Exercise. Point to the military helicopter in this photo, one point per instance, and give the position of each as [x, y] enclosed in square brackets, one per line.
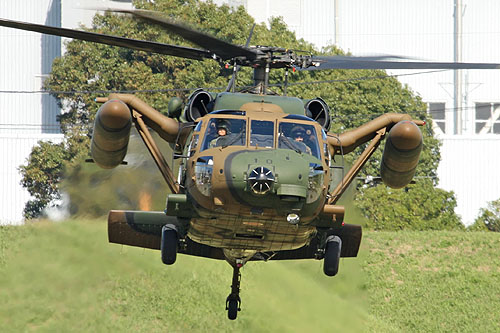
[256, 180]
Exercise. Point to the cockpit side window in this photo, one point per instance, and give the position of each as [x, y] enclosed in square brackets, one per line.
[198, 126]
[262, 133]
[300, 137]
[223, 132]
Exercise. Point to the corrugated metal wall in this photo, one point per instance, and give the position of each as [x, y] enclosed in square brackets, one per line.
[25, 116]
[25, 60]
[14, 150]
[469, 167]
[312, 20]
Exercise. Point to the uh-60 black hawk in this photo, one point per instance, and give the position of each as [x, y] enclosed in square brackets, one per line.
[256, 179]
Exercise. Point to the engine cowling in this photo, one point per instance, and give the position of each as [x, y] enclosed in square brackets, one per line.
[111, 134]
[198, 105]
[401, 154]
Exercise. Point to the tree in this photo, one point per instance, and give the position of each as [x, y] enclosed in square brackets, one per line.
[355, 96]
[419, 207]
[489, 218]
[42, 175]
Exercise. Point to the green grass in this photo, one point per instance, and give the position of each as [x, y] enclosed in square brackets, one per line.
[67, 277]
[434, 281]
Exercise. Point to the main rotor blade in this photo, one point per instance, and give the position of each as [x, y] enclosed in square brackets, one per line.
[342, 62]
[223, 49]
[136, 44]
[249, 38]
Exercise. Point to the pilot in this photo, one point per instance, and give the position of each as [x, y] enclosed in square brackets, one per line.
[222, 131]
[298, 134]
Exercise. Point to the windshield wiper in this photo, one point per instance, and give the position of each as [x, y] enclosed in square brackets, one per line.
[236, 138]
[289, 144]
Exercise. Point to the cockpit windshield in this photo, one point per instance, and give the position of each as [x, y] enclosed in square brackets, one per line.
[299, 137]
[262, 133]
[223, 132]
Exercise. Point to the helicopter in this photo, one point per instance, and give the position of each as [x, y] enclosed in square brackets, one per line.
[256, 178]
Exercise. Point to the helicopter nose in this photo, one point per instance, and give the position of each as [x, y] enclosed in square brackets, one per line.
[261, 180]
[279, 179]
[274, 175]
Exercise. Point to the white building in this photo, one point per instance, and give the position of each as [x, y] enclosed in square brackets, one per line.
[469, 125]
[26, 114]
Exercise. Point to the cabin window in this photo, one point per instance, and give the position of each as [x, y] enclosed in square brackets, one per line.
[300, 137]
[223, 132]
[203, 174]
[262, 134]
[193, 145]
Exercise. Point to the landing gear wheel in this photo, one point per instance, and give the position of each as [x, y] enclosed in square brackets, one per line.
[333, 248]
[232, 308]
[169, 241]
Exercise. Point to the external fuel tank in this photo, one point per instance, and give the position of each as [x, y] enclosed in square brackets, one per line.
[111, 134]
[401, 154]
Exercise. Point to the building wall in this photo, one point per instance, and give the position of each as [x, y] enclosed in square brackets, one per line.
[425, 30]
[15, 149]
[25, 60]
[469, 167]
[26, 114]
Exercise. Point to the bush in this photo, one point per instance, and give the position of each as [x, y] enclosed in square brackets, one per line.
[418, 207]
[489, 219]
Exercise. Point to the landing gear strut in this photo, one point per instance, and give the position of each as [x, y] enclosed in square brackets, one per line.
[233, 301]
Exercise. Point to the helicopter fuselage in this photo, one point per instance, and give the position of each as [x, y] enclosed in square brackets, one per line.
[258, 187]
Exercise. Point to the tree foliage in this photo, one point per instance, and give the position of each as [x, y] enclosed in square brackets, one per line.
[489, 218]
[41, 176]
[89, 70]
[388, 209]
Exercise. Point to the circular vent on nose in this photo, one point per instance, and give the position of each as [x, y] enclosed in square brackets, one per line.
[260, 180]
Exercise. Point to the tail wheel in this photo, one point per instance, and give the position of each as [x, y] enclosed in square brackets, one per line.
[232, 309]
[332, 255]
[169, 241]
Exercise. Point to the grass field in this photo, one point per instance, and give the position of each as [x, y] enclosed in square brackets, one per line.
[66, 277]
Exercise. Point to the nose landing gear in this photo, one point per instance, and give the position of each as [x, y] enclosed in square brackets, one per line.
[233, 301]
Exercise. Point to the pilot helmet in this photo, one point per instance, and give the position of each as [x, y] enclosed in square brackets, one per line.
[223, 124]
[298, 131]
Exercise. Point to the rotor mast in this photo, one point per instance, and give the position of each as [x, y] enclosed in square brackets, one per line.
[270, 57]
[261, 79]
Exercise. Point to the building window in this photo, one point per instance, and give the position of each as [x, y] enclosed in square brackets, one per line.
[487, 118]
[437, 112]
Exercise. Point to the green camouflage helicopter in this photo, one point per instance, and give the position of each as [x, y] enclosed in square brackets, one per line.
[256, 180]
